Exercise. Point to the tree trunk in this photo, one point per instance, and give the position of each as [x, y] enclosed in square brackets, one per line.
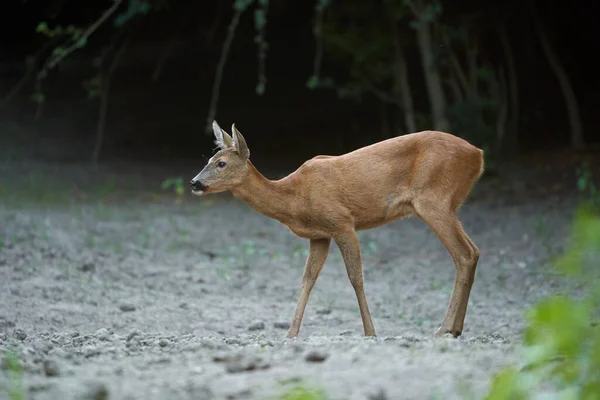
[513, 88]
[385, 126]
[432, 77]
[457, 94]
[401, 82]
[577, 141]
[499, 91]
[104, 96]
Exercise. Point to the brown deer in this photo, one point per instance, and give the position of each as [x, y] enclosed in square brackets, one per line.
[428, 174]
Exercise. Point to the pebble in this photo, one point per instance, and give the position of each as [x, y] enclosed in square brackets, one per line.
[242, 363]
[378, 395]
[256, 326]
[316, 356]
[95, 390]
[102, 334]
[133, 333]
[127, 307]
[3, 337]
[163, 342]
[282, 325]
[19, 334]
[87, 267]
[51, 367]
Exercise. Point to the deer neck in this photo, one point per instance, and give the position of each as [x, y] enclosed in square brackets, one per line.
[270, 198]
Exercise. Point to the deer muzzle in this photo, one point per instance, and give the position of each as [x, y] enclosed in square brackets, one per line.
[197, 186]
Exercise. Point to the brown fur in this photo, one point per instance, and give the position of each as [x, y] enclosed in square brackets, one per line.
[428, 174]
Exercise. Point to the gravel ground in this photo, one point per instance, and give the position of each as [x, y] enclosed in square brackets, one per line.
[128, 294]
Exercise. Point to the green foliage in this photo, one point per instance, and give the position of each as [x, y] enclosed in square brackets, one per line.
[431, 12]
[260, 22]
[303, 393]
[135, 7]
[93, 86]
[367, 51]
[176, 183]
[59, 30]
[242, 5]
[562, 339]
[585, 184]
[14, 371]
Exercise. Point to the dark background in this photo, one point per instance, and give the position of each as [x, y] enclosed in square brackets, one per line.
[163, 120]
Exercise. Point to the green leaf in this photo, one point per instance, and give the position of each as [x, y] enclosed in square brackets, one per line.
[42, 27]
[505, 385]
[313, 82]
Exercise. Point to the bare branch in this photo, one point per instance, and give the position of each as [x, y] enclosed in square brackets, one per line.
[318, 25]
[220, 67]
[53, 61]
[456, 66]
[105, 82]
[30, 71]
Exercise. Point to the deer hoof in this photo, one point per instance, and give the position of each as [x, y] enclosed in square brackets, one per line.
[291, 335]
[441, 331]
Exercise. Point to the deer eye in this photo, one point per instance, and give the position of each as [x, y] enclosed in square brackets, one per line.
[221, 164]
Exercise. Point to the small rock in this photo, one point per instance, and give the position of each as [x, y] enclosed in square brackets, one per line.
[378, 395]
[163, 342]
[316, 356]
[87, 267]
[243, 394]
[102, 334]
[324, 311]
[3, 337]
[347, 333]
[95, 391]
[221, 357]
[256, 326]
[51, 367]
[127, 307]
[448, 336]
[243, 363]
[133, 333]
[19, 334]
[282, 325]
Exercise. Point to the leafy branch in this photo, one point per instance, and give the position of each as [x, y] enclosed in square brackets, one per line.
[260, 22]
[79, 38]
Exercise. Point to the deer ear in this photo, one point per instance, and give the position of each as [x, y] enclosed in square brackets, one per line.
[222, 138]
[239, 143]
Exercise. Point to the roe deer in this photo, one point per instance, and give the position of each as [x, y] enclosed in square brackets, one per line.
[428, 174]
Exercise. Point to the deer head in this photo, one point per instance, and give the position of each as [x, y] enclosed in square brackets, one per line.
[227, 168]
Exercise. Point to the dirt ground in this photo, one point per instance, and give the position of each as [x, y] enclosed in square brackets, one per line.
[113, 289]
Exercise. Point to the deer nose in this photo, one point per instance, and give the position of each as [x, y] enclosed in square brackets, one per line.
[197, 185]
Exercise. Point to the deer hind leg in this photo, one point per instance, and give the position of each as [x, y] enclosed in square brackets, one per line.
[465, 255]
[317, 254]
[350, 248]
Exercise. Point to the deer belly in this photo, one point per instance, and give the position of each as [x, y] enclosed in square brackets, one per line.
[394, 207]
[308, 232]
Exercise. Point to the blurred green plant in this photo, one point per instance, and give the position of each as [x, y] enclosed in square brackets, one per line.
[301, 392]
[176, 183]
[561, 358]
[14, 372]
[586, 185]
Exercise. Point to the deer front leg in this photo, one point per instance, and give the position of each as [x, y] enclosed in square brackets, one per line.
[350, 248]
[317, 254]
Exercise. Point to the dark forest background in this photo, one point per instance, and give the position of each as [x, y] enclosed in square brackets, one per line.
[131, 79]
